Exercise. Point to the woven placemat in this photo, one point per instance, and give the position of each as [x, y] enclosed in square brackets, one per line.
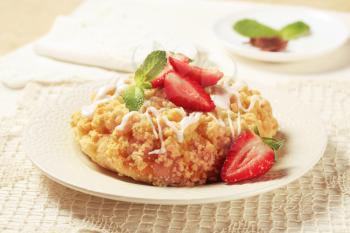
[317, 202]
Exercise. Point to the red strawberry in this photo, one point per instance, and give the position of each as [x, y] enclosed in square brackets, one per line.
[181, 57]
[249, 157]
[187, 93]
[204, 77]
[158, 82]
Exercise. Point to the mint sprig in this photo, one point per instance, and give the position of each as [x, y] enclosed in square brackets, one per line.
[154, 63]
[254, 29]
[151, 67]
[295, 30]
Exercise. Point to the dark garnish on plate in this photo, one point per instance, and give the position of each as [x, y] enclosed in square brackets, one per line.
[267, 38]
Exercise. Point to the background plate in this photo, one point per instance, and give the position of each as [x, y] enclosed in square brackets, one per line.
[48, 141]
[327, 33]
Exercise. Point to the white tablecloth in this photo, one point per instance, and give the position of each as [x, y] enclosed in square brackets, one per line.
[317, 202]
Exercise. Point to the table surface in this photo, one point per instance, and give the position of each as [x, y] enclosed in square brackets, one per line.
[318, 201]
[22, 22]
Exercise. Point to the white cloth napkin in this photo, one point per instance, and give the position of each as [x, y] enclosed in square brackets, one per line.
[118, 44]
[119, 34]
[23, 66]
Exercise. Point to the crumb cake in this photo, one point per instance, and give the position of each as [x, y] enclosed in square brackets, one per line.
[165, 143]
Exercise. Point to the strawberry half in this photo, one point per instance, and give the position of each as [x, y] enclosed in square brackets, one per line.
[181, 57]
[186, 93]
[204, 77]
[158, 82]
[249, 157]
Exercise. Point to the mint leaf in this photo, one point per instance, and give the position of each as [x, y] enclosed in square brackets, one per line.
[133, 97]
[151, 67]
[252, 29]
[146, 85]
[295, 30]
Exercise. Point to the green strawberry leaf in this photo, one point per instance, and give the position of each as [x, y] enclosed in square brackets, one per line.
[256, 130]
[294, 30]
[133, 97]
[151, 67]
[274, 144]
[252, 29]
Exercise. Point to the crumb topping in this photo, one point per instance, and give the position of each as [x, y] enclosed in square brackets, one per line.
[162, 143]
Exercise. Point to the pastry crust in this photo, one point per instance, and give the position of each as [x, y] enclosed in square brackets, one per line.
[196, 160]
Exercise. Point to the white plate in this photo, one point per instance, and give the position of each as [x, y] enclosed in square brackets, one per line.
[327, 33]
[49, 143]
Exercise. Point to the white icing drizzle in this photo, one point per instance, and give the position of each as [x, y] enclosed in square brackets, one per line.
[88, 110]
[178, 129]
[221, 100]
[182, 111]
[218, 121]
[253, 100]
[156, 113]
[235, 91]
[125, 120]
[185, 122]
[230, 123]
[157, 151]
[239, 123]
[102, 92]
[103, 97]
[170, 124]
[120, 86]
[153, 128]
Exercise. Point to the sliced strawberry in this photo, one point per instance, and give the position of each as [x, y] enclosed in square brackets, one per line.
[249, 157]
[204, 77]
[158, 82]
[181, 57]
[187, 93]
